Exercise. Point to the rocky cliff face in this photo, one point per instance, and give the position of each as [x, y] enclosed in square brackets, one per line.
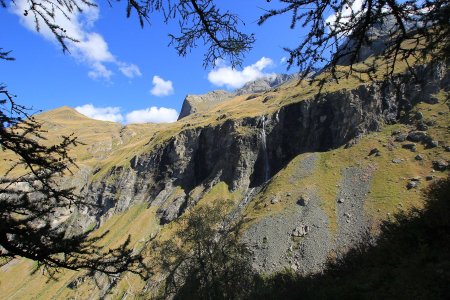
[265, 83]
[378, 37]
[199, 157]
[200, 103]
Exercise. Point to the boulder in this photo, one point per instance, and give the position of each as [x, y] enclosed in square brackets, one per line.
[431, 100]
[440, 165]
[412, 184]
[400, 137]
[430, 122]
[422, 126]
[374, 151]
[300, 231]
[303, 201]
[410, 146]
[416, 136]
[432, 144]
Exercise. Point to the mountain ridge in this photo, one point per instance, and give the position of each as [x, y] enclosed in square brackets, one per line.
[203, 102]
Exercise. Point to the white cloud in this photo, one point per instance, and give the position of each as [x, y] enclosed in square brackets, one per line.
[231, 78]
[130, 70]
[91, 48]
[161, 87]
[345, 14]
[101, 113]
[262, 63]
[153, 115]
[114, 114]
[98, 70]
[94, 48]
[283, 60]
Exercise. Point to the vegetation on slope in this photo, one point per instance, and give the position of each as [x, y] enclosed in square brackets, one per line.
[388, 192]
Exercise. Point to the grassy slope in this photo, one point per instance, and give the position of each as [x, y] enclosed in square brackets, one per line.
[98, 139]
[138, 221]
[388, 191]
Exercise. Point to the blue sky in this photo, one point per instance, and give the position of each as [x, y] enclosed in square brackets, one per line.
[123, 73]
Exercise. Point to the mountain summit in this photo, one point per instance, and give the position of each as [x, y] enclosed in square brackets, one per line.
[200, 103]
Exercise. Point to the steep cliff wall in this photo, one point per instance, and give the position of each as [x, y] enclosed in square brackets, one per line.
[245, 153]
[201, 103]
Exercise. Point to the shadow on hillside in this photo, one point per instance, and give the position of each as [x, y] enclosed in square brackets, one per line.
[411, 260]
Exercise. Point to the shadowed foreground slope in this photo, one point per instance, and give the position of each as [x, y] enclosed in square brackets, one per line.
[409, 260]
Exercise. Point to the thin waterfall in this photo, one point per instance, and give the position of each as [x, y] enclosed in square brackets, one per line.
[264, 150]
[247, 198]
[238, 210]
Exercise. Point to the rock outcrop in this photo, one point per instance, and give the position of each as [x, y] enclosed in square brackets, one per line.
[265, 83]
[200, 103]
[378, 37]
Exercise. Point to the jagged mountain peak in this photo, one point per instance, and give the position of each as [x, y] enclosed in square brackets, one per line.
[378, 37]
[201, 103]
[264, 83]
[197, 103]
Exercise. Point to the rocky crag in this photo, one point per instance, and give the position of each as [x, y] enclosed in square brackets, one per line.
[200, 103]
